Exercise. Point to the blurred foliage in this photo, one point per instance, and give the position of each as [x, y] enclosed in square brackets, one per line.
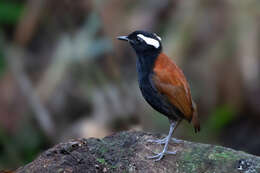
[74, 65]
[220, 118]
[10, 11]
[2, 63]
[22, 147]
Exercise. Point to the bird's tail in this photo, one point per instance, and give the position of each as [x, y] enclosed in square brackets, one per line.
[195, 119]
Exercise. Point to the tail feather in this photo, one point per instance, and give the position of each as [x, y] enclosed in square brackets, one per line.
[195, 119]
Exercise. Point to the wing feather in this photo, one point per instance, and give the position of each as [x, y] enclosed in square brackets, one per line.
[170, 81]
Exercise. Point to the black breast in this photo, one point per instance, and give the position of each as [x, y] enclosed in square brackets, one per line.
[150, 93]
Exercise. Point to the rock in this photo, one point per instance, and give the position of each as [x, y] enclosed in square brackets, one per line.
[127, 151]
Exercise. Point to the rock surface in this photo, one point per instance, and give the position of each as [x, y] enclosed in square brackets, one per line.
[127, 151]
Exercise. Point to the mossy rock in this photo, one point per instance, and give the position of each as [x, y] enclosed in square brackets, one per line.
[127, 152]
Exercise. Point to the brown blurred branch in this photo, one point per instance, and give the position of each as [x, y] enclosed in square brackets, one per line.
[29, 21]
[14, 56]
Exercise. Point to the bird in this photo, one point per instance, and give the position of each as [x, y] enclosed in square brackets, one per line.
[162, 84]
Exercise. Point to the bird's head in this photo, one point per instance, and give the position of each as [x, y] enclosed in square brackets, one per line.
[143, 42]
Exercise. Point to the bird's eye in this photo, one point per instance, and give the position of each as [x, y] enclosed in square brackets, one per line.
[139, 40]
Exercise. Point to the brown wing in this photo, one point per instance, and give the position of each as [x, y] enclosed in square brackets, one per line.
[170, 81]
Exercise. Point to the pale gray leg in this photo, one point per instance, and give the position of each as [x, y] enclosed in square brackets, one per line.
[177, 141]
[158, 141]
[163, 140]
[167, 139]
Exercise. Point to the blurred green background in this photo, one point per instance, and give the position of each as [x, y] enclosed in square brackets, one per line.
[64, 75]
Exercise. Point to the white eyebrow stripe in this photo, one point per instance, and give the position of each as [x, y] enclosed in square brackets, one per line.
[149, 41]
[159, 38]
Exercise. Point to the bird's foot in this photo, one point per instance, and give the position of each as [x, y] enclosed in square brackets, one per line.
[163, 141]
[158, 141]
[159, 156]
[177, 141]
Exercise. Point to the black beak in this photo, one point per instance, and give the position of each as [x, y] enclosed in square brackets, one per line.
[125, 38]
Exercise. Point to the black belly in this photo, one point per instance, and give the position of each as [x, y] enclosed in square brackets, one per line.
[157, 100]
[149, 91]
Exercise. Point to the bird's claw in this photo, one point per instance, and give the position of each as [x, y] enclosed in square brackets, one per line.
[161, 155]
[158, 156]
[158, 141]
[163, 141]
[177, 141]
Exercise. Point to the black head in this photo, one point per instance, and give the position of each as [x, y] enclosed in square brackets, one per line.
[143, 42]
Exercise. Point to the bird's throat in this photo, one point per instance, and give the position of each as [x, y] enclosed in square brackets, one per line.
[145, 64]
